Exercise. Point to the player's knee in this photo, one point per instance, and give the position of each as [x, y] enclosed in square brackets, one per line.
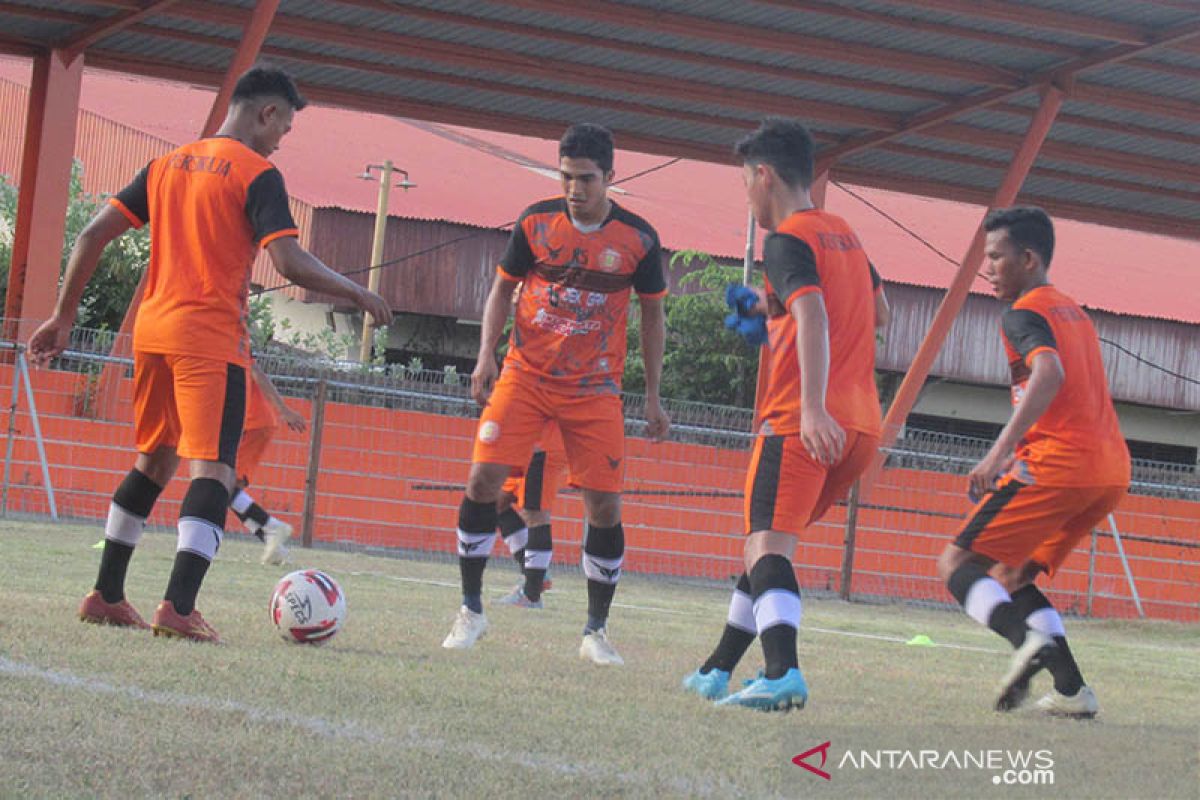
[485, 482]
[536, 518]
[603, 508]
[159, 466]
[950, 560]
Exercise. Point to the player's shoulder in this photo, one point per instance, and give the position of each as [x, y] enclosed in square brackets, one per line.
[624, 216]
[547, 207]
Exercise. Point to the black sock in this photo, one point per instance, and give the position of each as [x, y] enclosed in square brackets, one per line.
[1068, 679]
[603, 556]
[777, 616]
[736, 638]
[1003, 617]
[133, 501]
[186, 577]
[114, 562]
[537, 552]
[476, 534]
[253, 517]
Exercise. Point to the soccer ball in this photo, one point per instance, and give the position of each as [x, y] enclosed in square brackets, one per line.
[308, 607]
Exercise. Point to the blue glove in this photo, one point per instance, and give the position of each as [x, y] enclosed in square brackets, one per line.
[752, 329]
[741, 299]
[750, 326]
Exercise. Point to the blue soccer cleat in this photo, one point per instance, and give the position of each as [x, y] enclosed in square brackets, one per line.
[711, 686]
[764, 694]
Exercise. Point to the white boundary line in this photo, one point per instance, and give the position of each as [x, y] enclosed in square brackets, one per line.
[415, 739]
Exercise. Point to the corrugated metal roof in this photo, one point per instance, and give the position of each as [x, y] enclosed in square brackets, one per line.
[864, 71]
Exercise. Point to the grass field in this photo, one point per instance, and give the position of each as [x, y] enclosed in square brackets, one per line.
[384, 711]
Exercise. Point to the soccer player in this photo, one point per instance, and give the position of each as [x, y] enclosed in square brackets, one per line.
[264, 408]
[579, 255]
[819, 411]
[210, 204]
[1058, 468]
[524, 518]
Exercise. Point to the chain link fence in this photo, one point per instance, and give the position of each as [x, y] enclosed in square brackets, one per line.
[386, 455]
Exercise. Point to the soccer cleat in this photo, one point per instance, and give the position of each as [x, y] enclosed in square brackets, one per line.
[95, 610]
[712, 685]
[275, 533]
[1028, 659]
[517, 598]
[764, 694]
[170, 623]
[1081, 705]
[469, 628]
[599, 650]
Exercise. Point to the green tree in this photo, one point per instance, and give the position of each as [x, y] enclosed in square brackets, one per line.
[111, 289]
[703, 361]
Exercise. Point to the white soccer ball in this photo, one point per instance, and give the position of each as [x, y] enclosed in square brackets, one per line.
[308, 607]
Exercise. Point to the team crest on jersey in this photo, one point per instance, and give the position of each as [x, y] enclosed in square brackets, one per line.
[489, 432]
[609, 260]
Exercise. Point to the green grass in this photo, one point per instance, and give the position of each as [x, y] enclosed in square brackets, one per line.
[384, 711]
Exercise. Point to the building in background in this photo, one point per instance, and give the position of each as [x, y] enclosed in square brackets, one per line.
[445, 236]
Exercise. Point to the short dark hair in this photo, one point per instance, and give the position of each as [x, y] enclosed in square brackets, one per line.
[1029, 227]
[784, 144]
[265, 81]
[588, 140]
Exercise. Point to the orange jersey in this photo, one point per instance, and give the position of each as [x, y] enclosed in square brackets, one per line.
[1077, 440]
[569, 328]
[209, 205]
[814, 251]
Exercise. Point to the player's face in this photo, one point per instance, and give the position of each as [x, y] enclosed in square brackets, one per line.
[585, 186]
[275, 120]
[754, 176]
[1007, 267]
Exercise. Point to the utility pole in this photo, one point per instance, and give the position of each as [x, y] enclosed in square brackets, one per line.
[377, 242]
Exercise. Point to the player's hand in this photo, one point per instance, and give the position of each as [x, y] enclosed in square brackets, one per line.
[822, 436]
[483, 379]
[376, 306]
[982, 479]
[293, 419]
[49, 340]
[658, 421]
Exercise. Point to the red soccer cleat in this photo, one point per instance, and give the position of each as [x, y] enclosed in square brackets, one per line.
[95, 610]
[170, 623]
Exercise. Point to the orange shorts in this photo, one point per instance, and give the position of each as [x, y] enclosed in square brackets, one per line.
[1021, 522]
[250, 451]
[195, 405]
[787, 491]
[593, 430]
[537, 487]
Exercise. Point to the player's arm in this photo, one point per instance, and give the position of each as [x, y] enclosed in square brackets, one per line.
[304, 269]
[292, 419]
[495, 314]
[651, 286]
[792, 270]
[1031, 337]
[271, 218]
[654, 339]
[127, 209]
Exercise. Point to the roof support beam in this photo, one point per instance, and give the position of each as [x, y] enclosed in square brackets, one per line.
[253, 36]
[1062, 76]
[45, 187]
[79, 42]
[918, 371]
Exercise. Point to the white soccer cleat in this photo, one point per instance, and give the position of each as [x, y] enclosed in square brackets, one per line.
[469, 627]
[275, 533]
[1081, 705]
[599, 650]
[1027, 660]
